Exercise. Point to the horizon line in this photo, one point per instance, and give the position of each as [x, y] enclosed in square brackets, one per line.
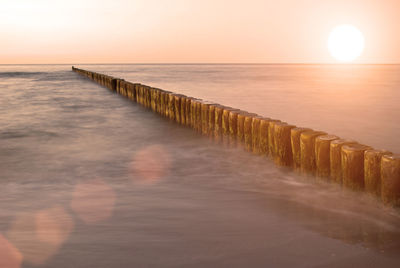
[203, 63]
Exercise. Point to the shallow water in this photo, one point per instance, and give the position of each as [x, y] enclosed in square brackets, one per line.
[89, 179]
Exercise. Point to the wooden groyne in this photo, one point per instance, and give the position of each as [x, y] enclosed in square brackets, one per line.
[327, 157]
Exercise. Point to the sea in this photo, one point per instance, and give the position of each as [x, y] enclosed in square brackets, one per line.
[91, 179]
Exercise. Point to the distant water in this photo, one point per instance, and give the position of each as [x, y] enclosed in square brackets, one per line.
[359, 102]
[89, 179]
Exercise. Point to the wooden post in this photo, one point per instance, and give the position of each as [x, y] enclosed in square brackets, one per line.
[119, 86]
[153, 95]
[322, 155]
[138, 93]
[148, 97]
[134, 91]
[255, 134]
[144, 95]
[141, 95]
[171, 106]
[153, 99]
[225, 122]
[127, 87]
[131, 87]
[177, 108]
[353, 166]
[295, 141]
[128, 92]
[158, 100]
[193, 113]
[106, 83]
[336, 159]
[271, 136]
[183, 109]
[218, 122]
[125, 90]
[247, 127]
[137, 90]
[211, 119]
[307, 151]
[188, 115]
[131, 90]
[264, 122]
[114, 84]
[162, 103]
[198, 115]
[233, 116]
[282, 144]
[240, 126]
[205, 110]
[372, 171]
[390, 171]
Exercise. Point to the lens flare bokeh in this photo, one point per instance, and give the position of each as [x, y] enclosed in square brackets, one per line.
[151, 164]
[10, 256]
[40, 235]
[93, 201]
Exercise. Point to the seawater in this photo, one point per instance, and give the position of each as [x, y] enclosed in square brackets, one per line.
[90, 179]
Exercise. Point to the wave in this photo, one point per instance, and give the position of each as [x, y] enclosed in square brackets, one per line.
[15, 134]
[20, 74]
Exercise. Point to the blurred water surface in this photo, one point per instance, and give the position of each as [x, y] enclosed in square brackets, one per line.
[89, 179]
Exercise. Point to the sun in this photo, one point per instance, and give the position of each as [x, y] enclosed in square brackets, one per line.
[346, 43]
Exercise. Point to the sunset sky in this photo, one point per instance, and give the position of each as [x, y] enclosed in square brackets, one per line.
[194, 31]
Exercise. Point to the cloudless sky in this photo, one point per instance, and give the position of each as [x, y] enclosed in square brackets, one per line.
[179, 31]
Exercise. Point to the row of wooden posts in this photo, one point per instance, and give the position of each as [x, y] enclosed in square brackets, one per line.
[328, 157]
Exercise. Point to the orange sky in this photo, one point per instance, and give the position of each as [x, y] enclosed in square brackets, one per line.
[179, 31]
